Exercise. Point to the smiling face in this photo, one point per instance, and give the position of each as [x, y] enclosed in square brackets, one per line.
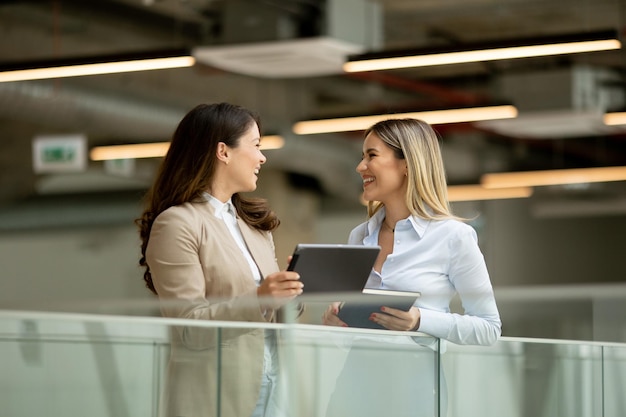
[383, 174]
[246, 161]
[241, 165]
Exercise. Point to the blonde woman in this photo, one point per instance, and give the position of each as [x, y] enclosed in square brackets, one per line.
[424, 248]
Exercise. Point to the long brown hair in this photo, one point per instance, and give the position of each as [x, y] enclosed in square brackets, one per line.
[189, 165]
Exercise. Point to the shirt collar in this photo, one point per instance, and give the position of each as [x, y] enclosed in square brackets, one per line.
[219, 207]
[417, 223]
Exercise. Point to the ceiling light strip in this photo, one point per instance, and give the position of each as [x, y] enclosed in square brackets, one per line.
[272, 142]
[131, 151]
[615, 119]
[482, 55]
[345, 124]
[159, 149]
[553, 177]
[79, 70]
[477, 192]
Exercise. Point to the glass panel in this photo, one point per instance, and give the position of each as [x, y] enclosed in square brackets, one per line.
[349, 372]
[614, 381]
[72, 365]
[524, 377]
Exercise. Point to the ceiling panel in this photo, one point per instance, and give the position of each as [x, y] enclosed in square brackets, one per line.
[146, 106]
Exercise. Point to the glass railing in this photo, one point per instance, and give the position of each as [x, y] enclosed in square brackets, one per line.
[535, 377]
[55, 364]
[101, 364]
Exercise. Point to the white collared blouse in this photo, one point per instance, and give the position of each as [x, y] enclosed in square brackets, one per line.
[438, 258]
[226, 212]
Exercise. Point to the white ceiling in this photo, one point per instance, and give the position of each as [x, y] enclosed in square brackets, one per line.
[146, 106]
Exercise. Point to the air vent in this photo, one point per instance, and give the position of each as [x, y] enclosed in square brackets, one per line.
[308, 57]
[556, 124]
[561, 103]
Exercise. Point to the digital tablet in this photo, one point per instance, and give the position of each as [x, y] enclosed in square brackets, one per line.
[333, 267]
[357, 312]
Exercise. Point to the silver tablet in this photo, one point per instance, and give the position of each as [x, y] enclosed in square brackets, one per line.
[333, 267]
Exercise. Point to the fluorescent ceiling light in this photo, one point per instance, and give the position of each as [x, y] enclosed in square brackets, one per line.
[309, 127]
[553, 177]
[478, 192]
[132, 151]
[96, 65]
[272, 142]
[159, 149]
[615, 119]
[521, 48]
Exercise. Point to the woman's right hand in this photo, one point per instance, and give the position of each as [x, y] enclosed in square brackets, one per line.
[279, 288]
[330, 318]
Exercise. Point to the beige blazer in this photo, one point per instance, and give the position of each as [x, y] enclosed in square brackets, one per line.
[200, 273]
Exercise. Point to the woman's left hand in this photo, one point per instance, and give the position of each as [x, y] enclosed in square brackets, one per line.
[330, 316]
[393, 319]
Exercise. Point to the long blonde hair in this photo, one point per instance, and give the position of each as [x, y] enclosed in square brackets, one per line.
[416, 142]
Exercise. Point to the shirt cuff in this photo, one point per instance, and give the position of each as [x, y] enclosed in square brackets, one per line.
[428, 322]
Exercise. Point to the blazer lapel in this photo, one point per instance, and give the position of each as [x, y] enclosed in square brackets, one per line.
[260, 248]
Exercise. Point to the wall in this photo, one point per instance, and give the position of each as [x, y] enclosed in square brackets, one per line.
[523, 250]
[70, 268]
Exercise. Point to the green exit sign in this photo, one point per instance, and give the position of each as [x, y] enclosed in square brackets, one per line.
[59, 153]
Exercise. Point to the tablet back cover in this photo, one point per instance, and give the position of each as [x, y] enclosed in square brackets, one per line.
[333, 267]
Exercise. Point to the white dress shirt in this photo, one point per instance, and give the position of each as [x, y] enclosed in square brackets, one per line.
[438, 258]
[268, 404]
[226, 211]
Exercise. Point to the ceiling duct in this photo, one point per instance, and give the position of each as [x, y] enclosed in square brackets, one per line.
[100, 114]
[560, 103]
[283, 43]
[94, 113]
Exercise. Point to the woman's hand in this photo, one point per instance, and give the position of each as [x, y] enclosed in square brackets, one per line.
[330, 318]
[393, 319]
[279, 288]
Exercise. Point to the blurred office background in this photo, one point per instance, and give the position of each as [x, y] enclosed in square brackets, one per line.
[556, 257]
